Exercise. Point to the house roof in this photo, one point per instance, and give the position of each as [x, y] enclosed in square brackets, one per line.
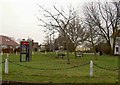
[7, 41]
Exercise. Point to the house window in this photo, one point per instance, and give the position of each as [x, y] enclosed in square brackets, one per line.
[7, 40]
[117, 49]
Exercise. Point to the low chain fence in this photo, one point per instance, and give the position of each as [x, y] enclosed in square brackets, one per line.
[29, 67]
[107, 69]
[2, 62]
[75, 66]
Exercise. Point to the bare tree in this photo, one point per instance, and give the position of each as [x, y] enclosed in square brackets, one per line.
[59, 22]
[114, 19]
[77, 33]
[91, 26]
[93, 36]
[106, 17]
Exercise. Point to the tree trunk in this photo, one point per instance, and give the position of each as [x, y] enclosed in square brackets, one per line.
[94, 51]
[113, 48]
[68, 60]
[93, 44]
[110, 48]
[75, 52]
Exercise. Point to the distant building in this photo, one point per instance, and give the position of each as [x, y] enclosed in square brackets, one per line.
[82, 48]
[43, 47]
[117, 45]
[7, 42]
[35, 46]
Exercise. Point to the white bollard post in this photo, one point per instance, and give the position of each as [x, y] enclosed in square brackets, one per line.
[1, 53]
[45, 52]
[91, 68]
[7, 55]
[72, 52]
[16, 53]
[6, 66]
[56, 52]
[32, 53]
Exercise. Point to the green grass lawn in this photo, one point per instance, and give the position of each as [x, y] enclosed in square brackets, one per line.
[45, 69]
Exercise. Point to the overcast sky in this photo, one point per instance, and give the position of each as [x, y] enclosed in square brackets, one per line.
[17, 17]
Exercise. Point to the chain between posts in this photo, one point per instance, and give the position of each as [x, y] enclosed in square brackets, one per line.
[107, 69]
[49, 69]
[2, 62]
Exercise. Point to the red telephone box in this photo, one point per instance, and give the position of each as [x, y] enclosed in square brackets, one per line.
[25, 51]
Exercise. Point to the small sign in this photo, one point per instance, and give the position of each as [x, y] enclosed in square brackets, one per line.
[25, 43]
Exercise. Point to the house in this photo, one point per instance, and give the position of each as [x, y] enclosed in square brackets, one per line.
[7, 43]
[117, 44]
[44, 47]
[35, 46]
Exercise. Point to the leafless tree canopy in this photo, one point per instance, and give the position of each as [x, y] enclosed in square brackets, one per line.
[105, 17]
[100, 23]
